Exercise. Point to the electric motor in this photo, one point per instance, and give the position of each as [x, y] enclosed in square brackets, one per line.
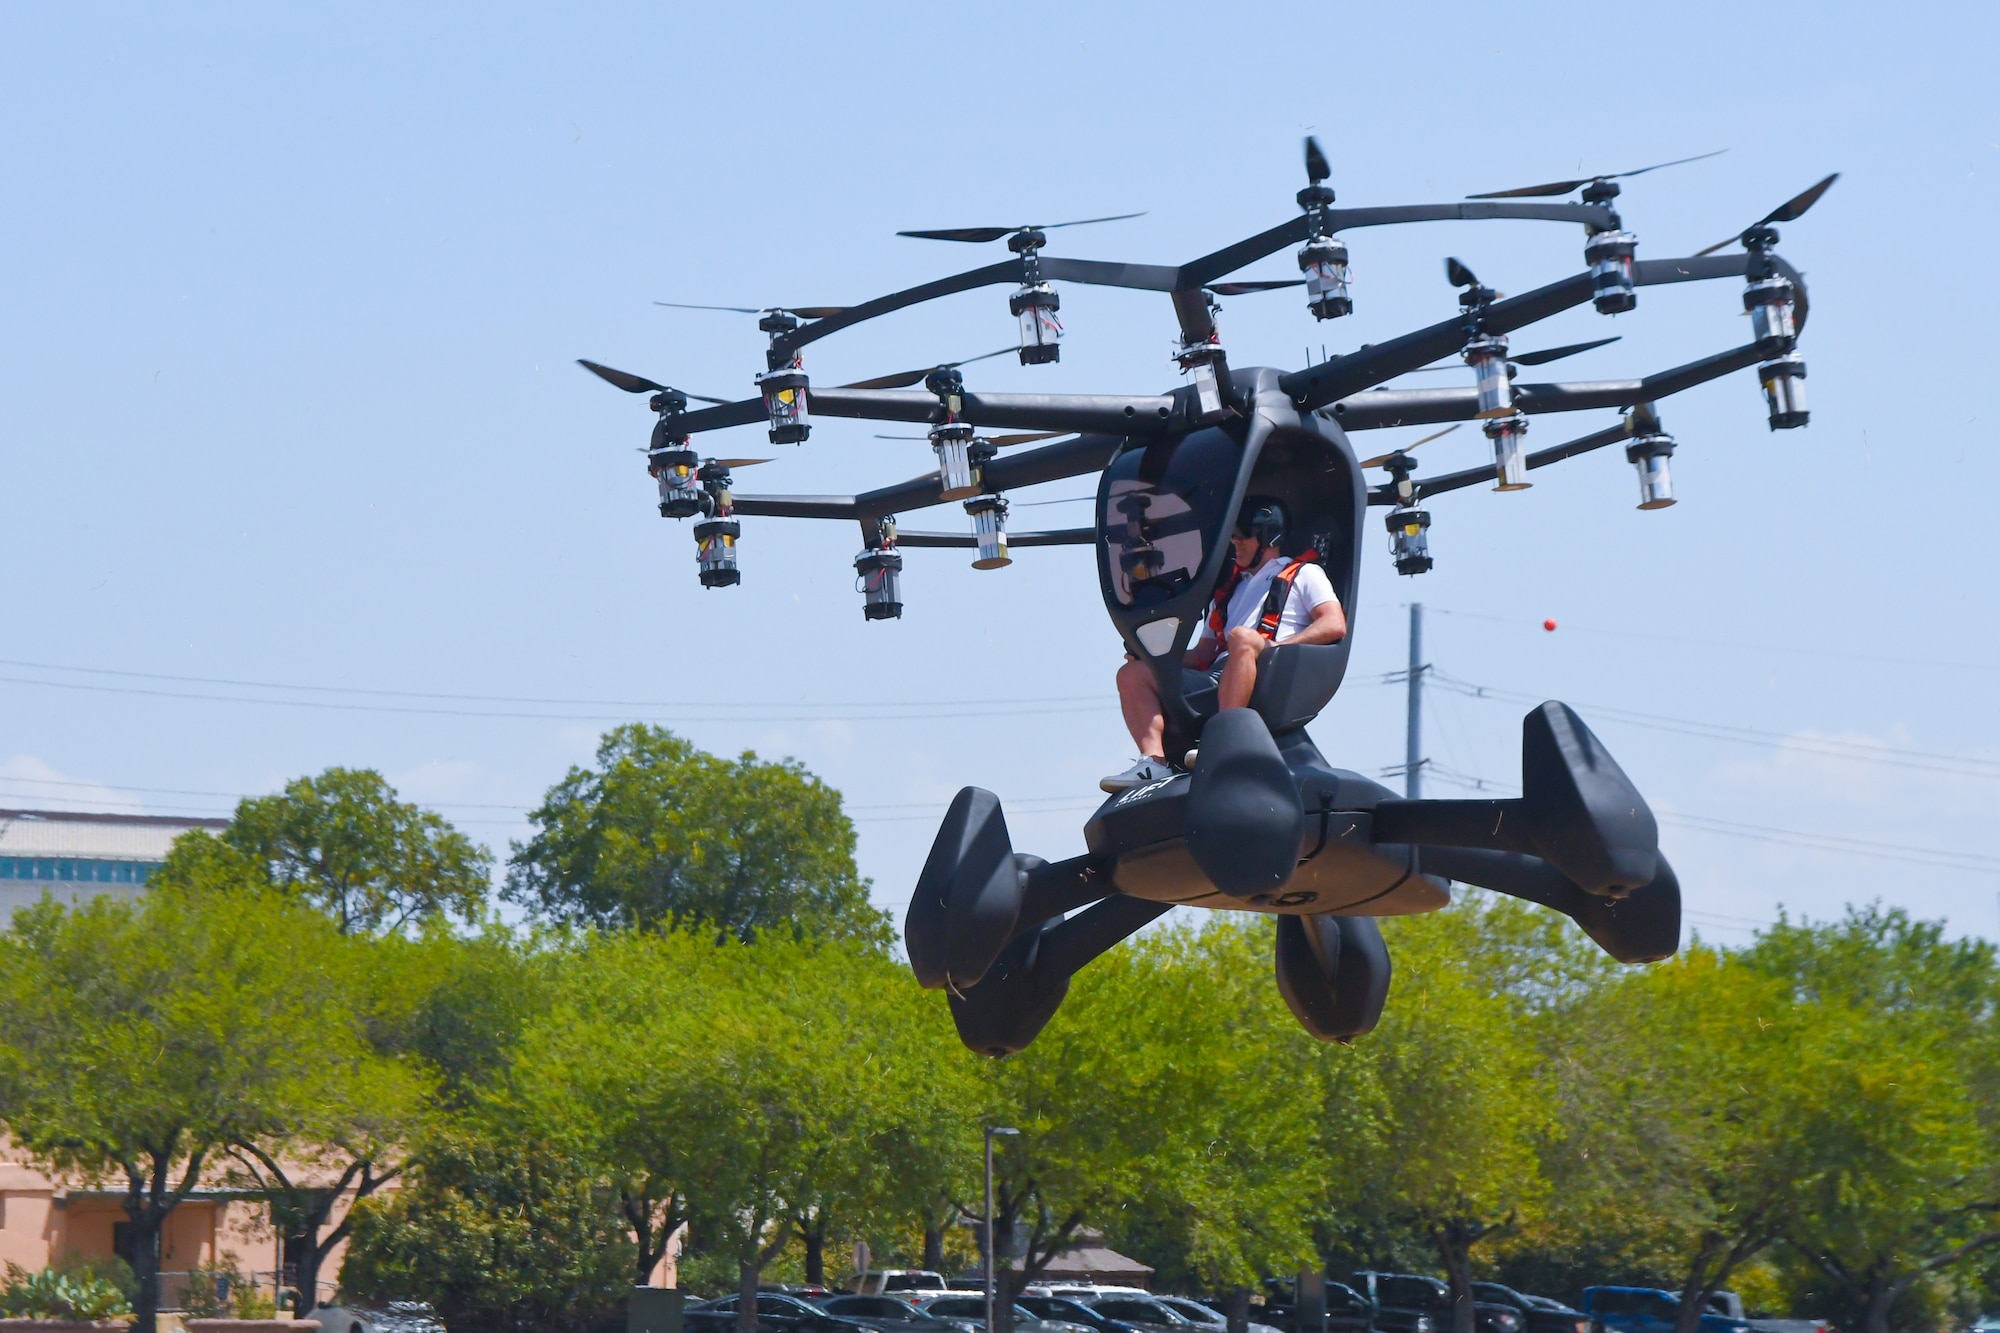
[1609, 255]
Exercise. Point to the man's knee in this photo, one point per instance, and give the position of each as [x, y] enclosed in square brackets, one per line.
[1245, 645]
[1134, 675]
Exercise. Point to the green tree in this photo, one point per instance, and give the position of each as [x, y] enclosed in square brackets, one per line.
[1905, 1119]
[1693, 1093]
[138, 1040]
[497, 1233]
[343, 843]
[1229, 1195]
[1463, 1085]
[660, 831]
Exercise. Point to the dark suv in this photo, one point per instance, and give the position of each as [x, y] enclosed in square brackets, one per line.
[1346, 1310]
[1542, 1314]
[776, 1313]
[1400, 1299]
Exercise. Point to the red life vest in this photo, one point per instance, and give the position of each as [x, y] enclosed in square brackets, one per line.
[1274, 600]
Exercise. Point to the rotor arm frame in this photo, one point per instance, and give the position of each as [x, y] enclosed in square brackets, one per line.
[1383, 408]
[1343, 376]
[947, 540]
[1184, 277]
[1031, 467]
[1232, 257]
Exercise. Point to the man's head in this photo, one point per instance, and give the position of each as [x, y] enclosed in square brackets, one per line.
[1259, 525]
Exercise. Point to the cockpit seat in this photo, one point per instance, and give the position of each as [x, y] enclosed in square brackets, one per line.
[1294, 682]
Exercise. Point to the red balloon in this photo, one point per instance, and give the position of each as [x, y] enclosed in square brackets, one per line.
[1549, 625]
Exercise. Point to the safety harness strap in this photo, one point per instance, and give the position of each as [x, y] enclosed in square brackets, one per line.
[1274, 600]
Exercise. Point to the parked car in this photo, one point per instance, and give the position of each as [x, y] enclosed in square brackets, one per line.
[1400, 1297]
[960, 1307]
[1143, 1312]
[892, 1314]
[1207, 1316]
[1063, 1310]
[1541, 1315]
[1347, 1310]
[776, 1313]
[882, 1281]
[1730, 1305]
[1647, 1310]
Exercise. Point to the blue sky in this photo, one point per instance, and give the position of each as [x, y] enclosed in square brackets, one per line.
[288, 396]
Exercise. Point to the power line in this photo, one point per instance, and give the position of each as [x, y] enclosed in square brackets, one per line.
[1831, 746]
[1879, 659]
[724, 712]
[1937, 857]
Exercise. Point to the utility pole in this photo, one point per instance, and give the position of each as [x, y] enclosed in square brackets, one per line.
[991, 1130]
[1413, 736]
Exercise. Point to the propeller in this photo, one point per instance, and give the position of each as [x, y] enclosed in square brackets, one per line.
[638, 383]
[979, 235]
[733, 462]
[1458, 274]
[1564, 187]
[802, 311]
[1541, 358]
[1379, 459]
[1242, 288]
[998, 441]
[1316, 168]
[903, 379]
[1791, 210]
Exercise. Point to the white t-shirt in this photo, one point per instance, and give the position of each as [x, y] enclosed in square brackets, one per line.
[1311, 589]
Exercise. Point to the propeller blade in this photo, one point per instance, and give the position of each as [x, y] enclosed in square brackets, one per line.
[1085, 222]
[977, 235]
[1564, 187]
[1316, 168]
[1380, 459]
[640, 384]
[903, 379]
[1533, 191]
[1644, 420]
[738, 462]
[999, 441]
[972, 234]
[1795, 207]
[1791, 210]
[1458, 274]
[1240, 288]
[733, 309]
[622, 380]
[1549, 354]
[802, 311]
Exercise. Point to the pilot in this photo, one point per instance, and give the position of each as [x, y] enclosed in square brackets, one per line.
[1263, 600]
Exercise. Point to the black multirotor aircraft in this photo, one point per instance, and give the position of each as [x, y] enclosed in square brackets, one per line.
[1258, 820]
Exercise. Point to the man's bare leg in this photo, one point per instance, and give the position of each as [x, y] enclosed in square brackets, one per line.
[1239, 673]
[1139, 701]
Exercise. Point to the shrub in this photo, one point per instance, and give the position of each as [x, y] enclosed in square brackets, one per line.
[53, 1294]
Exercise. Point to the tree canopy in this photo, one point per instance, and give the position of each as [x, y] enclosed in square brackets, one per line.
[343, 843]
[661, 831]
[141, 1040]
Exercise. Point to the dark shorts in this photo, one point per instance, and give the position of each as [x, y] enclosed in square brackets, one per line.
[1198, 687]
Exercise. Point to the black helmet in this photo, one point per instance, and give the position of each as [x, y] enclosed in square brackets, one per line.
[1263, 518]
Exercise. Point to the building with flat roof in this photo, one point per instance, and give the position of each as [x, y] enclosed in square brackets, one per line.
[77, 855]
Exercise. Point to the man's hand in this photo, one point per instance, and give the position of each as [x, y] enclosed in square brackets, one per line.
[1328, 625]
[1245, 644]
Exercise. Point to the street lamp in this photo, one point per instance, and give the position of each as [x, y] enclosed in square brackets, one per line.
[991, 1130]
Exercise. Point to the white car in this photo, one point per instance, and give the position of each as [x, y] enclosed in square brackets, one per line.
[1196, 1312]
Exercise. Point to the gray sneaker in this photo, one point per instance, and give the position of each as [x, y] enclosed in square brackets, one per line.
[1142, 772]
